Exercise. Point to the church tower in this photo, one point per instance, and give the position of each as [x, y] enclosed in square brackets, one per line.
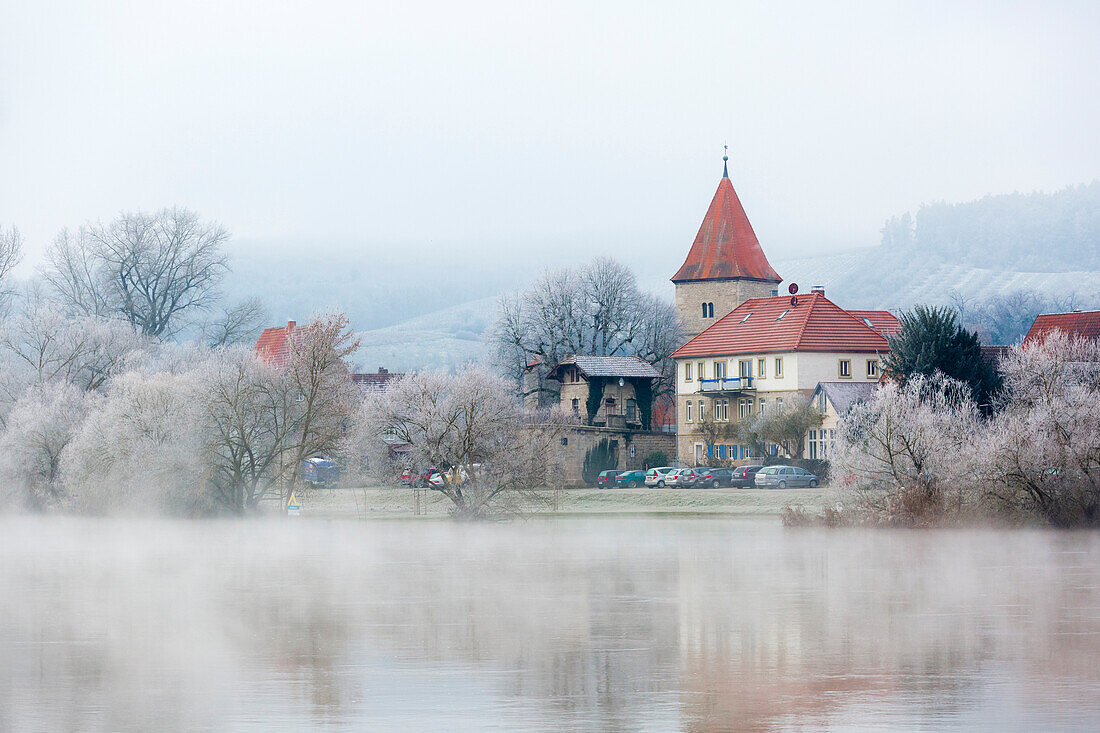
[725, 266]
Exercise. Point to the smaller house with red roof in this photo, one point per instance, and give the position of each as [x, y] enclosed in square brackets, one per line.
[273, 346]
[768, 352]
[1085, 324]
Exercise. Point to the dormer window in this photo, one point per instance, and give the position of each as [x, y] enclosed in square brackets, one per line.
[780, 318]
[747, 316]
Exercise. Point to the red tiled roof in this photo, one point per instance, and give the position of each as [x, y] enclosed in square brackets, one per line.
[726, 246]
[881, 321]
[1085, 324]
[273, 346]
[761, 325]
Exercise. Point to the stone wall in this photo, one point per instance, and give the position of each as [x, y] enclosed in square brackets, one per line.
[583, 438]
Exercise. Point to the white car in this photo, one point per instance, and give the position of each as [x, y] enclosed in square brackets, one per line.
[658, 476]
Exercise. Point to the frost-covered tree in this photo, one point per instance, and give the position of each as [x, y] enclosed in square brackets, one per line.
[910, 446]
[1041, 453]
[141, 450]
[42, 423]
[498, 456]
[596, 310]
[41, 344]
[153, 269]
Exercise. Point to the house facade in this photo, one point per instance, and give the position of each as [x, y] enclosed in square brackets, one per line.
[833, 400]
[621, 381]
[751, 350]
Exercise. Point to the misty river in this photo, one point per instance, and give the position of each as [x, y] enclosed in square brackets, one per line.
[594, 624]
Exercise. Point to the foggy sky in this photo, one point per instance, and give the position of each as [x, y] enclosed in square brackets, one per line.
[499, 130]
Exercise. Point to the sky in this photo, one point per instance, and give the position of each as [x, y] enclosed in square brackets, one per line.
[513, 133]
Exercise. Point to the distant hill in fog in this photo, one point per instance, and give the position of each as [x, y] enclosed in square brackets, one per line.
[1046, 243]
[413, 313]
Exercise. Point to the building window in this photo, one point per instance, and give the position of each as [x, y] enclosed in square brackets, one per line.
[872, 368]
[844, 369]
[779, 404]
[576, 406]
[688, 416]
[762, 404]
[701, 368]
[724, 407]
[710, 310]
[760, 364]
[687, 371]
[565, 441]
[813, 444]
[821, 401]
[741, 409]
[719, 370]
[702, 411]
[778, 366]
[704, 310]
[775, 293]
[631, 410]
[747, 316]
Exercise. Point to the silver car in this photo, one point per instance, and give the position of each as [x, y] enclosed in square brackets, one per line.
[658, 476]
[780, 477]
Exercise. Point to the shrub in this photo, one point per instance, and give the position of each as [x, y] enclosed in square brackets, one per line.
[655, 459]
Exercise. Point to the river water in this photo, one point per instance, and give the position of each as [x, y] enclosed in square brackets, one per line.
[594, 624]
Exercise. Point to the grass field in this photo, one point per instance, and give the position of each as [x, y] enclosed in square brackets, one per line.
[401, 503]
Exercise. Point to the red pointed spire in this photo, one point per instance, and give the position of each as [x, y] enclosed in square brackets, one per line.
[726, 246]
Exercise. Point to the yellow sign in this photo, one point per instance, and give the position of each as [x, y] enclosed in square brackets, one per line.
[293, 506]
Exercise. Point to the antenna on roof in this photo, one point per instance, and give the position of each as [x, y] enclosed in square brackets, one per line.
[725, 157]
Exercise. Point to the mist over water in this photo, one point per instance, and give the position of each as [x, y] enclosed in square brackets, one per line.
[564, 624]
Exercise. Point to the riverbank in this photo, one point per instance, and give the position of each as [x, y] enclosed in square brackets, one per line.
[405, 503]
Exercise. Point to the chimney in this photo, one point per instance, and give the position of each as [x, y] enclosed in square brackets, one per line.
[818, 289]
[383, 370]
[290, 325]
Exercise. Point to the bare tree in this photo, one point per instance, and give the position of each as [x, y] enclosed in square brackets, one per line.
[11, 253]
[249, 413]
[43, 422]
[152, 269]
[239, 324]
[497, 457]
[1041, 452]
[910, 445]
[787, 427]
[40, 345]
[318, 373]
[594, 310]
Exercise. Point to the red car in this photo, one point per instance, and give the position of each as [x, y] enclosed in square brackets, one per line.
[411, 477]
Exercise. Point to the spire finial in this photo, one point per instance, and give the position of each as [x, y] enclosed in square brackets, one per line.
[725, 157]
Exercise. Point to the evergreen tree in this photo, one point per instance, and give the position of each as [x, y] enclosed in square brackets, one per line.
[932, 340]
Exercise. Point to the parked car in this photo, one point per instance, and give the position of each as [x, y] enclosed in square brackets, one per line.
[320, 471]
[685, 478]
[606, 479]
[412, 477]
[657, 476]
[715, 477]
[781, 477]
[630, 479]
[745, 476]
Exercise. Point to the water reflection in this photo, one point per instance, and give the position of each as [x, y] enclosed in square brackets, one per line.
[601, 624]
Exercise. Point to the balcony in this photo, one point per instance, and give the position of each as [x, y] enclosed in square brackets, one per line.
[729, 385]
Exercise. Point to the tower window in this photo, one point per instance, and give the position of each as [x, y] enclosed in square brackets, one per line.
[704, 310]
[710, 310]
